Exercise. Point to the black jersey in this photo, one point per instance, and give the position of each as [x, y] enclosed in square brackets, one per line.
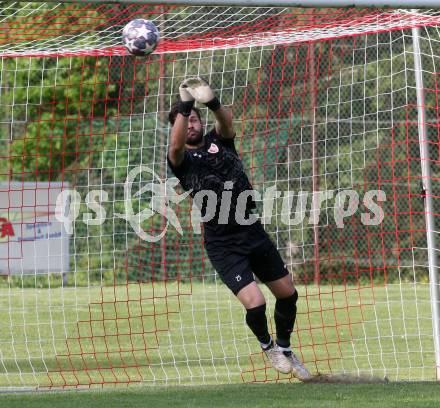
[209, 168]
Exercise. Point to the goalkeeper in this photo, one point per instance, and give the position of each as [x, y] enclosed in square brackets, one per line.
[209, 162]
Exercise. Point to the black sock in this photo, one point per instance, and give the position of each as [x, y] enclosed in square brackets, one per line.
[257, 322]
[285, 315]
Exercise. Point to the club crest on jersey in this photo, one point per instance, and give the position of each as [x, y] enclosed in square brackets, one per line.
[213, 148]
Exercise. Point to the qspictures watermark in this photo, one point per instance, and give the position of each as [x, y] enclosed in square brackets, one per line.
[163, 196]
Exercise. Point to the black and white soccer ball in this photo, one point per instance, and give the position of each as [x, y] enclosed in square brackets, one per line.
[140, 37]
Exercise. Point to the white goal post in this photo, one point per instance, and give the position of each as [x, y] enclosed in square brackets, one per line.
[337, 113]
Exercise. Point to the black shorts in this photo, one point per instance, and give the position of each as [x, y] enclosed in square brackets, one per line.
[244, 252]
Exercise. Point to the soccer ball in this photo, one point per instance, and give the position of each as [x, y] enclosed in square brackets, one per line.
[140, 37]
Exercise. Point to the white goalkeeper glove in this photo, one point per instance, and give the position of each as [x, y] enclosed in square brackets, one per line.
[185, 96]
[201, 92]
[186, 100]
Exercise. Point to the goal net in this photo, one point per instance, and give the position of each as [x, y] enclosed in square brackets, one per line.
[104, 277]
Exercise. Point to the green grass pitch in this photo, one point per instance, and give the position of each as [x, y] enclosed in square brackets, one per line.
[194, 335]
[413, 395]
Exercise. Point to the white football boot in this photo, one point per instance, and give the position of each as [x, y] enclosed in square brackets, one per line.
[297, 367]
[278, 359]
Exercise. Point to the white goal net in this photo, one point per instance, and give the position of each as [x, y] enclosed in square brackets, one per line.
[326, 103]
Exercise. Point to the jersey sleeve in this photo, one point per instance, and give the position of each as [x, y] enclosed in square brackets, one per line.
[183, 168]
[229, 142]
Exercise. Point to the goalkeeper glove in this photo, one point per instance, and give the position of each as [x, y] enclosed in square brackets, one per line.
[186, 101]
[202, 92]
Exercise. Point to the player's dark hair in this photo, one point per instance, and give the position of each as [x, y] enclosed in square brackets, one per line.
[175, 110]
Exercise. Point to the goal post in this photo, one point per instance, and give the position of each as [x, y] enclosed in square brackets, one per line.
[336, 110]
[428, 193]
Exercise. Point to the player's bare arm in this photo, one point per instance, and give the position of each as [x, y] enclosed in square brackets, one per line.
[178, 137]
[179, 131]
[223, 122]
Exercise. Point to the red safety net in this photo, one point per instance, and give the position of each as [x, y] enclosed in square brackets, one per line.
[323, 101]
